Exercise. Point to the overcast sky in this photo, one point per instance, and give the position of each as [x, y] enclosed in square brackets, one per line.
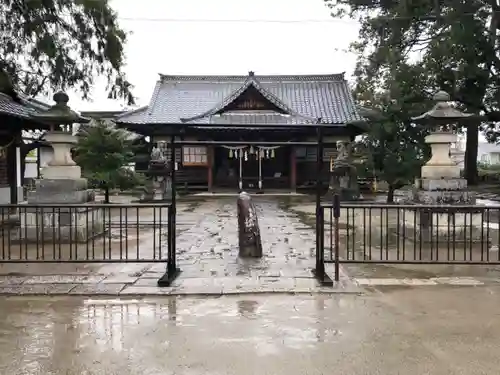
[158, 44]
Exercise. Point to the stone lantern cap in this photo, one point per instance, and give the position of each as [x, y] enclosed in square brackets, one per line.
[60, 113]
[443, 113]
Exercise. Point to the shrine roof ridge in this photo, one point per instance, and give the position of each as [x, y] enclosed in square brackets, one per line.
[265, 77]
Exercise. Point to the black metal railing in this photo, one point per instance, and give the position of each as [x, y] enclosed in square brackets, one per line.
[409, 234]
[89, 233]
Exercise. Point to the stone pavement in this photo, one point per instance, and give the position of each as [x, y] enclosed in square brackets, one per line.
[207, 247]
[207, 254]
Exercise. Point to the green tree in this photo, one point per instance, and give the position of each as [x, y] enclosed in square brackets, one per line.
[105, 154]
[54, 44]
[393, 147]
[454, 41]
[392, 156]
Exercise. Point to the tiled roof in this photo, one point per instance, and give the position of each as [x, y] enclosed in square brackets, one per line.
[197, 99]
[22, 108]
[258, 118]
[9, 107]
[250, 117]
[101, 114]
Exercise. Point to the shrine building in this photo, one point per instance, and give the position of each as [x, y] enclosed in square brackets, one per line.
[203, 106]
[16, 116]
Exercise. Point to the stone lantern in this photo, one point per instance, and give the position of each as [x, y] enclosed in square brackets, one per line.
[69, 215]
[62, 141]
[440, 184]
[441, 171]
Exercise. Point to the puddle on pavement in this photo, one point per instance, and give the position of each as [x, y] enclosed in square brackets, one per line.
[75, 336]
[272, 334]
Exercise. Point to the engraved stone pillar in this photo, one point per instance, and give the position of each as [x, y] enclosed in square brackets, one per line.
[250, 244]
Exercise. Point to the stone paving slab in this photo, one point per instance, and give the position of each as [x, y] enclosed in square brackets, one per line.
[146, 286]
[208, 258]
[101, 289]
[458, 281]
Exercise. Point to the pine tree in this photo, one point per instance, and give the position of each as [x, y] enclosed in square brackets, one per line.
[105, 155]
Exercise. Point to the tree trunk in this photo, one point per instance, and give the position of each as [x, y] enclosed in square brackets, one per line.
[106, 195]
[471, 173]
[390, 194]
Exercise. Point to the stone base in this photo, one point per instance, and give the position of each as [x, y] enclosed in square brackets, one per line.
[440, 192]
[60, 225]
[441, 184]
[60, 192]
[62, 172]
[442, 170]
[58, 222]
[443, 225]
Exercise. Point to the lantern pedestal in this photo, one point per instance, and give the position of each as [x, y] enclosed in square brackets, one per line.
[61, 210]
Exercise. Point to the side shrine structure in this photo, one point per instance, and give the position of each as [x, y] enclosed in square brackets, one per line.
[16, 116]
[231, 110]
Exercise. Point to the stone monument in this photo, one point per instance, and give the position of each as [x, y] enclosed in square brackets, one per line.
[440, 185]
[343, 174]
[61, 184]
[250, 244]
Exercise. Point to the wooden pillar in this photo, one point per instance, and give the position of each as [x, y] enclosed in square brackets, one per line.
[12, 173]
[210, 169]
[293, 169]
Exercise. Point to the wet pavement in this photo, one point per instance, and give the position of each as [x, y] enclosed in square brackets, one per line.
[207, 254]
[397, 273]
[437, 331]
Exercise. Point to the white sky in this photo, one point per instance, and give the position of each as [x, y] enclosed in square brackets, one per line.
[168, 47]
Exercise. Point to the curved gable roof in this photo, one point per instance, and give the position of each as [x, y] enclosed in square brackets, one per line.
[198, 98]
[251, 82]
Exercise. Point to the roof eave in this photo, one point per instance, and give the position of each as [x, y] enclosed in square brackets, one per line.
[132, 112]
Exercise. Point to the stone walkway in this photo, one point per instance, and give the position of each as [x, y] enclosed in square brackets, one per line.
[207, 248]
[207, 254]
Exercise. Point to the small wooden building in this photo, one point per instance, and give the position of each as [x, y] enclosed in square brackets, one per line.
[203, 106]
[15, 116]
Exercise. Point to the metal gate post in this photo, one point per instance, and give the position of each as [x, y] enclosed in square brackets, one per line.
[171, 270]
[319, 155]
[320, 222]
[336, 215]
[173, 260]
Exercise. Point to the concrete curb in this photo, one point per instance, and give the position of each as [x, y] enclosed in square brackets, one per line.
[433, 281]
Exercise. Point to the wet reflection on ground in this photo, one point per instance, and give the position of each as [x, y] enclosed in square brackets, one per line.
[410, 331]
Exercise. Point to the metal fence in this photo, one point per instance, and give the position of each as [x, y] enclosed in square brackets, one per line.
[90, 233]
[409, 234]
